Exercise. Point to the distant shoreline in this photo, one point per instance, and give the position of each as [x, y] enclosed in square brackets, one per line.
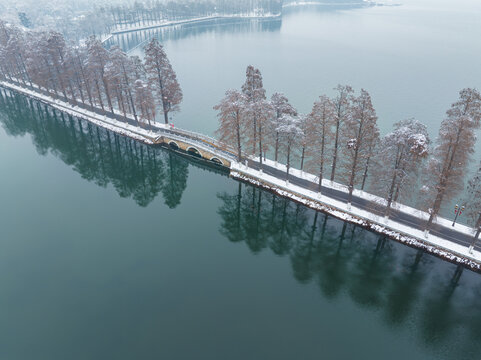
[191, 21]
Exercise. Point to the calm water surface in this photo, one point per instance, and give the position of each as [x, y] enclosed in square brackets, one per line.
[115, 250]
[413, 59]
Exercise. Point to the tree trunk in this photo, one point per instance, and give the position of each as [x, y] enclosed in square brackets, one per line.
[239, 149]
[107, 93]
[255, 136]
[288, 165]
[478, 232]
[260, 144]
[166, 117]
[129, 92]
[442, 184]
[277, 147]
[302, 157]
[87, 83]
[336, 144]
[99, 94]
[321, 170]
[364, 176]
[354, 162]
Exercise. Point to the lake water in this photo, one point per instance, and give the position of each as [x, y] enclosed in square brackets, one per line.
[413, 59]
[115, 250]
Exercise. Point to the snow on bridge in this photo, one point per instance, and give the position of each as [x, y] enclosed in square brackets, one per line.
[405, 224]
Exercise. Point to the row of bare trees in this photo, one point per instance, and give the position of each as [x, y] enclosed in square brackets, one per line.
[89, 75]
[340, 140]
[151, 12]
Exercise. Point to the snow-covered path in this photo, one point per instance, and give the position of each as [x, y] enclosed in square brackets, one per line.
[405, 224]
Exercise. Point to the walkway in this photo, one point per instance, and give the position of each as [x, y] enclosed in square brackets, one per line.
[154, 133]
[450, 234]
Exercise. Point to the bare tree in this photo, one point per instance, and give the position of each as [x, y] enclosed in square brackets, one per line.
[163, 78]
[55, 50]
[342, 105]
[290, 131]
[144, 100]
[319, 132]
[263, 112]
[360, 132]
[398, 159]
[254, 92]
[97, 59]
[281, 106]
[455, 144]
[304, 143]
[231, 113]
[121, 70]
[473, 205]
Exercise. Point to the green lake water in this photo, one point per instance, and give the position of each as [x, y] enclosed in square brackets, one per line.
[110, 249]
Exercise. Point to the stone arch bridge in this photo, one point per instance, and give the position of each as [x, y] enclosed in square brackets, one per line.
[196, 145]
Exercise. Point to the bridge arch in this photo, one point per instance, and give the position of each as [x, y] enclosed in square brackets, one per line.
[217, 161]
[174, 145]
[194, 151]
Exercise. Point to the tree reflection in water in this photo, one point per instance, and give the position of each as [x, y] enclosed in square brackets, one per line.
[135, 170]
[406, 286]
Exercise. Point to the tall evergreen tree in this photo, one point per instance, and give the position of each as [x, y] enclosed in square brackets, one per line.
[163, 78]
[281, 106]
[398, 159]
[253, 89]
[342, 105]
[231, 115]
[454, 146]
[360, 132]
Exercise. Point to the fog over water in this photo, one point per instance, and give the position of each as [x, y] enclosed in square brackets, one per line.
[110, 249]
[413, 58]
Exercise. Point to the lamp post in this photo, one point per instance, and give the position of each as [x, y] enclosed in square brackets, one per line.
[458, 212]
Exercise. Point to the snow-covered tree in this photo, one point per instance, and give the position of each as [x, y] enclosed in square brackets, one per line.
[290, 132]
[120, 71]
[342, 104]
[281, 106]
[231, 114]
[253, 89]
[55, 53]
[360, 132]
[304, 143]
[319, 134]
[473, 205]
[79, 59]
[144, 100]
[263, 113]
[455, 144]
[97, 59]
[15, 48]
[163, 78]
[398, 159]
[38, 62]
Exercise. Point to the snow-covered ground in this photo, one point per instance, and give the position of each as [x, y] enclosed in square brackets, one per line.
[405, 234]
[119, 127]
[341, 210]
[203, 142]
[370, 197]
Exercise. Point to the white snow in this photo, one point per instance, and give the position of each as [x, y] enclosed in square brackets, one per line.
[343, 211]
[367, 196]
